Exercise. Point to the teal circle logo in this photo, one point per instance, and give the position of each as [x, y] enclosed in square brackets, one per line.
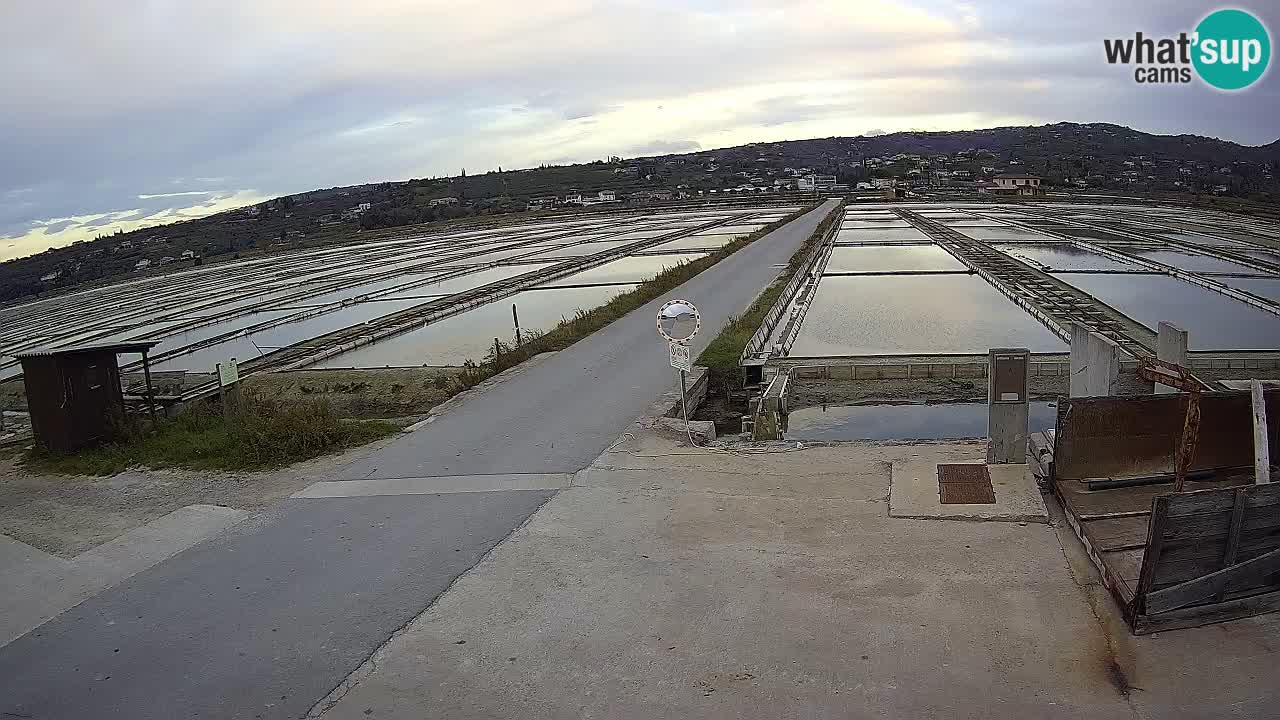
[1232, 49]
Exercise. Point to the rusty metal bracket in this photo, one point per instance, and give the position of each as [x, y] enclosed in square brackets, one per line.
[1177, 376]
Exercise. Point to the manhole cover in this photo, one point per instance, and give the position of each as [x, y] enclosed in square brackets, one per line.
[967, 484]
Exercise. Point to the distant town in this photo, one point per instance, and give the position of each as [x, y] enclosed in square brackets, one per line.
[1025, 162]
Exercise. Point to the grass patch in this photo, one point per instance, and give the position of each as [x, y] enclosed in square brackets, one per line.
[265, 434]
[723, 353]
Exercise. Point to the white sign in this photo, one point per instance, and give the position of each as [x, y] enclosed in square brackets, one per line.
[228, 373]
[680, 357]
[679, 320]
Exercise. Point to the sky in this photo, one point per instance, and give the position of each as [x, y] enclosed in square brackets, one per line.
[120, 115]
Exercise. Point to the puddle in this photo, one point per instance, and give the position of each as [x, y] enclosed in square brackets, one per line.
[916, 314]
[1062, 257]
[1214, 321]
[892, 233]
[890, 258]
[1193, 262]
[904, 422]
[469, 335]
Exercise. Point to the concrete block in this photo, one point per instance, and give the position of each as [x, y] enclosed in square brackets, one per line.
[1079, 360]
[1103, 372]
[913, 493]
[1171, 346]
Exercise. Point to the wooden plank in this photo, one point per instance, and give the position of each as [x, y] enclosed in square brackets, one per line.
[1215, 525]
[1155, 531]
[1198, 615]
[1191, 591]
[1233, 535]
[1123, 533]
[1218, 500]
[1261, 440]
[1125, 564]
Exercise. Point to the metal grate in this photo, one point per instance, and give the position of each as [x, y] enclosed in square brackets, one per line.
[967, 484]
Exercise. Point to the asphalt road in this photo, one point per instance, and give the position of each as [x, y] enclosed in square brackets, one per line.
[265, 620]
[561, 414]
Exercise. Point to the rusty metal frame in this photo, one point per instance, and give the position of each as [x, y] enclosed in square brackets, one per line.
[1177, 376]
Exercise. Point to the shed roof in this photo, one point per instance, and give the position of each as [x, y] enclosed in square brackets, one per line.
[123, 347]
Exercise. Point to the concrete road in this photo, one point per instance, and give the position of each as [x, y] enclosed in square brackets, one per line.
[264, 621]
[562, 413]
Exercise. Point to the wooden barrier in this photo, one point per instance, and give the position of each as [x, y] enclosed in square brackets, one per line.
[1172, 560]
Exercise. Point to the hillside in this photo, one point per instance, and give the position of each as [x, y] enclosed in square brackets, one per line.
[1096, 157]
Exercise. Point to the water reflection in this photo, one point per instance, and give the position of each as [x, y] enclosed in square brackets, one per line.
[881, 315]
[1214, 321]
[904, 422]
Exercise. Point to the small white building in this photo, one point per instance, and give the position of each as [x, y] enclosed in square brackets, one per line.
[1017, 184]
[816, 182]
[573, 199]
[141, 265]
[188, 254]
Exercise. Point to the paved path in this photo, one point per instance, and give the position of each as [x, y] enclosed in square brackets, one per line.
[264, 621]
[562, 413]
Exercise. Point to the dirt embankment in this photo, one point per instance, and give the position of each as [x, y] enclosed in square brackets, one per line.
[814, 393]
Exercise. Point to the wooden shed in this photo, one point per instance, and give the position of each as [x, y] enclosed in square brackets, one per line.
[74, 394]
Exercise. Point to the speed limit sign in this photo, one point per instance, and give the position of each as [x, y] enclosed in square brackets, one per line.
[680, 357]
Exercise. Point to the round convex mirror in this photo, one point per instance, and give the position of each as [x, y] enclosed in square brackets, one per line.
[678, 320]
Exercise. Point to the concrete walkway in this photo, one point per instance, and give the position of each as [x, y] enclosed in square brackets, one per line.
[669, 582]
[265, 620]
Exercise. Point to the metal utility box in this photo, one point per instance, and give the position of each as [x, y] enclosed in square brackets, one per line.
[1007, 410]
[1009, 375]
[74, 395]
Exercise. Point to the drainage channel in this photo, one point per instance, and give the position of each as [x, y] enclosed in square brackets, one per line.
[1053, 302]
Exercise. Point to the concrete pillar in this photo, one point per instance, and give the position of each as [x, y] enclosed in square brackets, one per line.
[1103, 373]
[1007, 409]
[1171, 346]
[1079, 360]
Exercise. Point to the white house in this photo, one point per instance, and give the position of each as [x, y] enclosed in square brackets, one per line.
[1016, 184]
[142, 264]
[816, 182]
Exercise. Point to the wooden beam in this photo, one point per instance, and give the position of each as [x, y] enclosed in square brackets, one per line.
[1155, 544]
[1261, 443]
[1233, 536]
[1202, 588]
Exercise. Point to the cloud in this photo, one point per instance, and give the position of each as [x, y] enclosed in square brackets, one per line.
[177, 194]
[664, 147]
[41, 235]
[109, 105]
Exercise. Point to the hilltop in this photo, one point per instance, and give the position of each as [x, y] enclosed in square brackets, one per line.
[1094, 157]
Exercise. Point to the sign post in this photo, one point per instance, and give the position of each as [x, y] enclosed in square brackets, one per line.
[228, 377]
[678, 322]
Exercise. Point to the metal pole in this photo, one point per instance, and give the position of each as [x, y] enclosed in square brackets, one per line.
[516, 319]
[222, 391]
[684, 403]
[151, 393]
